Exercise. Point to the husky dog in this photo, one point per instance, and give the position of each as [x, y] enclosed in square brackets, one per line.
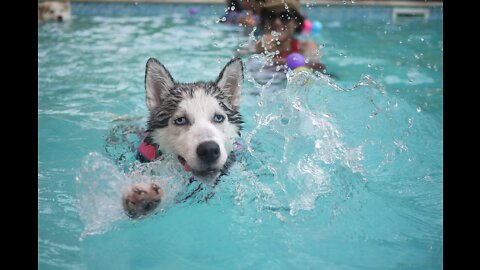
[54, 11]
[196, 122]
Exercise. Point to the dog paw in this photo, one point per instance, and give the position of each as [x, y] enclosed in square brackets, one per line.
[141, 199]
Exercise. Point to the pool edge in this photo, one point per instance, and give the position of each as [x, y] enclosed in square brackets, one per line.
[316, 3]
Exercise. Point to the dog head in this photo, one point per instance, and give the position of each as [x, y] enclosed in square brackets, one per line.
[197, 122]
[54, 11]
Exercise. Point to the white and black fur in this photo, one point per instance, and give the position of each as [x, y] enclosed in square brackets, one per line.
[197, 122]
[55, 10]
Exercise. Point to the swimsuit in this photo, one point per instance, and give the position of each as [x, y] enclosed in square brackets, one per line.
[295, 47]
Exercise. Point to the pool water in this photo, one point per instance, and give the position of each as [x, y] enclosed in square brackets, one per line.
[343, 173]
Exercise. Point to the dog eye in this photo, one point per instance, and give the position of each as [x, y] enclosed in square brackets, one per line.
[218, 118]
[181, 121]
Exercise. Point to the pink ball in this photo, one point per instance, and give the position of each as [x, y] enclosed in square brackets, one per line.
[295, 60]
[307, 27]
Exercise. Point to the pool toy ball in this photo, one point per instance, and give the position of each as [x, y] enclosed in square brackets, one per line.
[316, 27]
[303, 68]
[307, 78]
[295, 60]
[193, 11]
[307, 27]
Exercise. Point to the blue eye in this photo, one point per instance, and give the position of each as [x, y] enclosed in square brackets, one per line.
[218, 118]
[180, 121]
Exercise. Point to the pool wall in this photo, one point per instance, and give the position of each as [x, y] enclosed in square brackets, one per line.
[416, 3]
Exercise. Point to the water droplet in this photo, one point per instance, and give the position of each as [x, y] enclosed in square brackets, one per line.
[369, 65]
[419, 109]
[401, 145]
[422, 39]
[427, 178]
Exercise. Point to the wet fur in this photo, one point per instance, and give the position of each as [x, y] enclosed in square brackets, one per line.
[202, 104]
[199, 103]
[54, 11]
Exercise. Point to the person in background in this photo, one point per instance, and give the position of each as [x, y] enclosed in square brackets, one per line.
[282, 21]
[243, 12]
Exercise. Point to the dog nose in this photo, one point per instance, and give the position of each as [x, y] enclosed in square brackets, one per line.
[60, 18]
[208, 151]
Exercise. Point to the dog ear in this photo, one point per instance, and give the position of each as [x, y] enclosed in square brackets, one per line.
[158, 82]
[230, 80]
[42, 9]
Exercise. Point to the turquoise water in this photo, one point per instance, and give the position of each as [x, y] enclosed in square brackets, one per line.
[339, 174]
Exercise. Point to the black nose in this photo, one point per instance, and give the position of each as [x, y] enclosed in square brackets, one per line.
[208, 152]
[60, 18]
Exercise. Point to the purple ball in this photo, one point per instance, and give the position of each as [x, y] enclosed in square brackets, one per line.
[295, 60]
[193, 11]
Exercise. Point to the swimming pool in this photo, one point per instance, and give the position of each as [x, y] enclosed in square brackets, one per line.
[339, 175]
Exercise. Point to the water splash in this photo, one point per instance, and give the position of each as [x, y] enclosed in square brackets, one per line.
[100, 185]
[295, 149]
[296, 154]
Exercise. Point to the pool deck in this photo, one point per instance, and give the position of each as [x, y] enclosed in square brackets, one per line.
[313, 2]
